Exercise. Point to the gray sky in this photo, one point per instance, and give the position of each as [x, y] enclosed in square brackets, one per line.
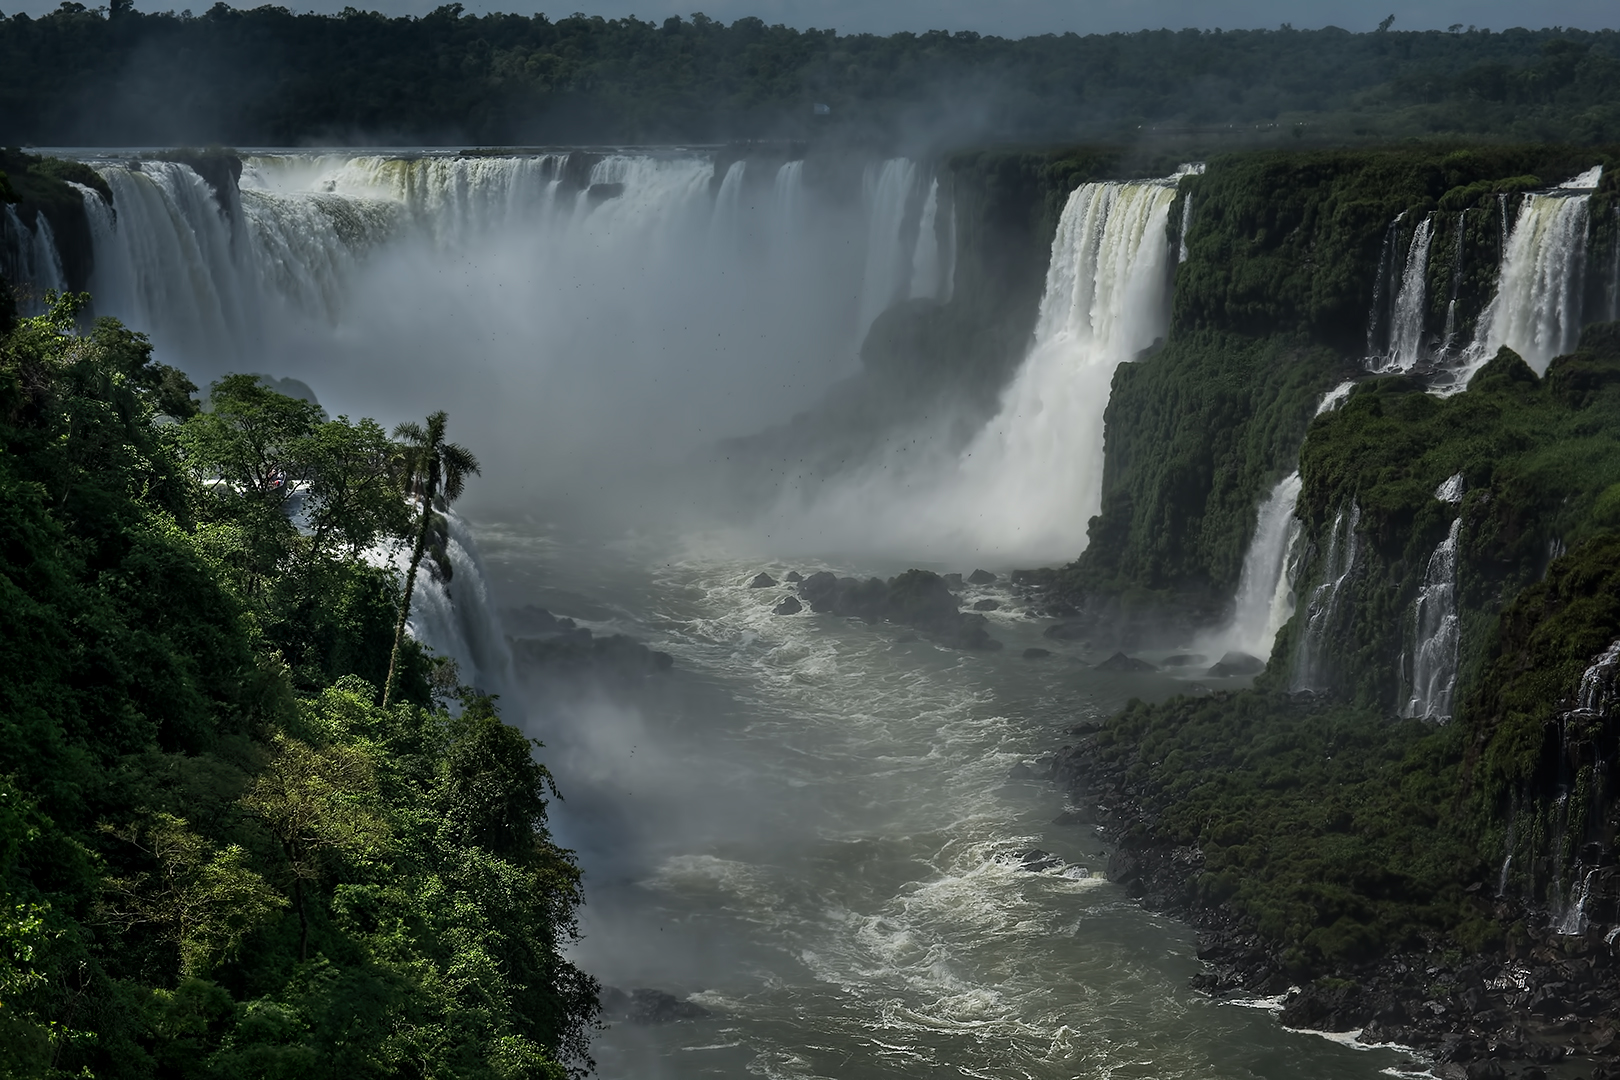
[1011, 18]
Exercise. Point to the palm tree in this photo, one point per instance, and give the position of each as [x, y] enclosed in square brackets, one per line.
[436, 471]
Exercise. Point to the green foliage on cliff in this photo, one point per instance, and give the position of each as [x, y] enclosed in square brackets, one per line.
[218, 856]
[1537, 457]
[1332, 832]
[269, 76]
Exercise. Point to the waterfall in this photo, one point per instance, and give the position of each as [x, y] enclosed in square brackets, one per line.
[1435, 624]
[1448, 336]
[925, 261]
[1411, 302]
[1265, 596]
[1340, 562]
[569, 285]
[29, 259]
[1032, 478]
[787, 207]
[1536, 311]
[888, 190]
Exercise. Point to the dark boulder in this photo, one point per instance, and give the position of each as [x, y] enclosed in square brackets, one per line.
[1237, 663]
[793, 576]
[789, 606]
[1035, 860]
[763, 581]
[987, 605]
[981, 577]
[648, 1006]
[1066, 631]
[953, 581]
[1036, 654]
[1120, 662]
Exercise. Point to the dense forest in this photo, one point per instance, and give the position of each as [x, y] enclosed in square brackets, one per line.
[221, 853]
[269, 77]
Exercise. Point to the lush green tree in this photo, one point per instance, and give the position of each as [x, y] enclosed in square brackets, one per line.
[436, 473]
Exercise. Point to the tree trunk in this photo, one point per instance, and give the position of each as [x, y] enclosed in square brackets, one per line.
[410, 585]
[303, 919]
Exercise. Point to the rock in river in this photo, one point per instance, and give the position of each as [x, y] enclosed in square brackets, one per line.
[1120, 662]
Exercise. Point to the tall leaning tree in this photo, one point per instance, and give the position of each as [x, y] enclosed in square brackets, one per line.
[436, 472]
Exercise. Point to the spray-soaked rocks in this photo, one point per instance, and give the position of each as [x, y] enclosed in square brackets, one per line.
[763, 581]
[555, 644]
[1237, 663]
[648, 1006]
[789, 605]
[917, 598]
[1120, 662]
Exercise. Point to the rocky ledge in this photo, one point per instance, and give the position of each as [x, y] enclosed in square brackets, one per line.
[919, 599]
[1547, 999]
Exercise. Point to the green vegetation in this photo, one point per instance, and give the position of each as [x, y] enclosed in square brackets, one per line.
[219, 855]
[1330, 831]
[1537, 457]
[271, 77]
[40, 187]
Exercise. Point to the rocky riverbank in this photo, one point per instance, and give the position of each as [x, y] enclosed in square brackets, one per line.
[1537, 1000]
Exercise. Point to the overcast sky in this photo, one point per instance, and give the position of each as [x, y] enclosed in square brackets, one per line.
[1011, 18]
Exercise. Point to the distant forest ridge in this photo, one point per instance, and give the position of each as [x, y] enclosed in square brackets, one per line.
[120, 77]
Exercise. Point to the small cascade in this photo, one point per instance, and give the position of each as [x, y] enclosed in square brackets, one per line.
[1411, 302]
[725, 229]
[1436, 625]
[1584, 792]
[926, 264]
[1448, 336]
[1186, 226]
[1265, 596]
[1614, 269]
[888, 194]
[1384, 286]
[29, 259]
[1340, 561]
[458, 619]
[1335, 397]
[1536, 311]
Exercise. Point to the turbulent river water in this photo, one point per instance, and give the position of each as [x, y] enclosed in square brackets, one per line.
[807, 827]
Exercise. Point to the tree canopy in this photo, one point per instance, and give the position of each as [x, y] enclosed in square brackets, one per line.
[267, 76]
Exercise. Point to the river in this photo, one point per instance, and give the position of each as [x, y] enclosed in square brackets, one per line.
[807, 827]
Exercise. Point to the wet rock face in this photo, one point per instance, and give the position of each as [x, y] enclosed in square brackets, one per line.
[1120, 662]
[916, 598]
[987, 605]
[1236, 663]
[789, 606]
[1036, 654]
[763, 581]
[981, 577]
[646, 1006]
